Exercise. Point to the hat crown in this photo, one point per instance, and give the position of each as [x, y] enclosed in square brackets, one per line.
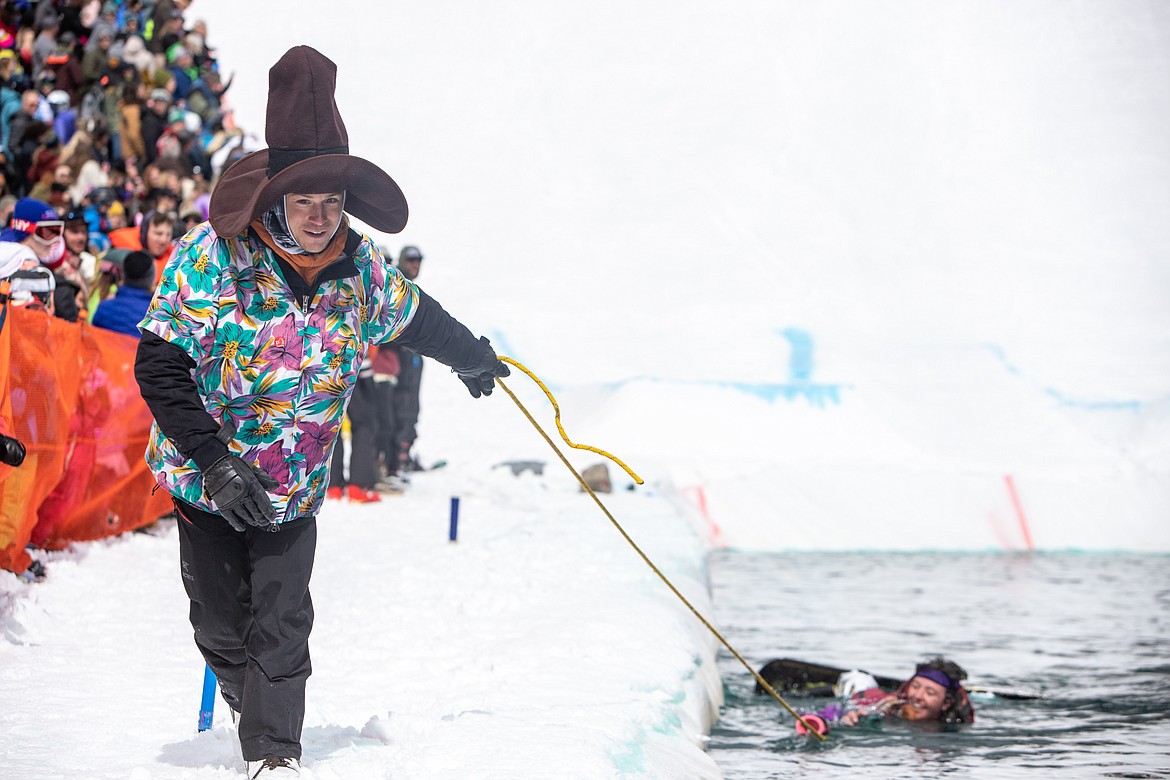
[308, 152]
[302, 119]
[33, 210]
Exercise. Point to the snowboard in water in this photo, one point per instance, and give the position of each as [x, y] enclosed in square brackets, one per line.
[801, 678]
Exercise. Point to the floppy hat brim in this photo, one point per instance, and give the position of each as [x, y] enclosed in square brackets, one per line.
[245, 191]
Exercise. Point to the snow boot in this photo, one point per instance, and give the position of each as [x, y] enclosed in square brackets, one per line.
[392, 484]
[273, 768]
[360, 495]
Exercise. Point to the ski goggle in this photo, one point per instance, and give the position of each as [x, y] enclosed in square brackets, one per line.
[49, 231]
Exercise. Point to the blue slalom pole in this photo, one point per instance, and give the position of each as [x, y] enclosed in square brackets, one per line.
[207, 706]
[454, 518]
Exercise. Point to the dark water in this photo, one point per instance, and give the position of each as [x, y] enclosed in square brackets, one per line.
[1091, 632]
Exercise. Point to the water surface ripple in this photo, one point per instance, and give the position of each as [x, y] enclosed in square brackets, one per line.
[1088, 631]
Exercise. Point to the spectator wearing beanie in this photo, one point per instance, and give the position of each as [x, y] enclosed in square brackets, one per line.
[35, 233]
[125, 310]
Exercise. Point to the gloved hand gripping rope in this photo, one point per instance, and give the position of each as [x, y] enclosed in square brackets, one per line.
[809, 727]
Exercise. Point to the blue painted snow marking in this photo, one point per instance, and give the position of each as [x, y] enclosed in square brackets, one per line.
[501, 345]
[800, 360]
[671, 724]
[800, 371]
[1128, 405]
[630, 761]
[816, 394]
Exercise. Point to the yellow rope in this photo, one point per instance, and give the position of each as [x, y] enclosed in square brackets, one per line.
[557, 410]
[585, 485]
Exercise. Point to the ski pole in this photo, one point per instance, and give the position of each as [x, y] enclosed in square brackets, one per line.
[207, 706]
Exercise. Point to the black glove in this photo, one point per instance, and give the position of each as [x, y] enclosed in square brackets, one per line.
[11, 451]
[480, 377]
[237, 488]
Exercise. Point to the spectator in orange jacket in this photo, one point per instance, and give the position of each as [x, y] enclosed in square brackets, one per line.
[155, 236]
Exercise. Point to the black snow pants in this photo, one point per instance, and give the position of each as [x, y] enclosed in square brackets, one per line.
[363, 440]
[406, 402]
[252, 614]
[385, 448]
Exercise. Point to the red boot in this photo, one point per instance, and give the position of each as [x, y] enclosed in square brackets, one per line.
[359, 495]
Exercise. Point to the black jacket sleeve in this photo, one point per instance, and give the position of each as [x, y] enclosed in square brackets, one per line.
[435, 333]
[163, 371]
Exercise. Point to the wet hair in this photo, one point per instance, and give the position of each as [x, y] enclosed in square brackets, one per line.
[951, 670]
[956, 707]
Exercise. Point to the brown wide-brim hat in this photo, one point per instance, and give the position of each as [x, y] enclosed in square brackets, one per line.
[308, 153]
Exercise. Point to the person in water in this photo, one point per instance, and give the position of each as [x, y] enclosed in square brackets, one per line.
[934, 694]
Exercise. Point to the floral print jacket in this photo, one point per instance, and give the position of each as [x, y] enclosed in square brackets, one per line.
[280, 369]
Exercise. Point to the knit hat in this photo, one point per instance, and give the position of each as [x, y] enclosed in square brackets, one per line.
[26, 215]
[308, 151]
[117, 256]
[138, 270]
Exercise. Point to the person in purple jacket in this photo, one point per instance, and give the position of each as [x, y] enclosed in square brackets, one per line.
[934, 694]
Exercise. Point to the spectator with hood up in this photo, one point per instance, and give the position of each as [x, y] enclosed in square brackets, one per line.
[155, 236]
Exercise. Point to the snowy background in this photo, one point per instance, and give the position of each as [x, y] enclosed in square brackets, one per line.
[837, 270]
[827, 275]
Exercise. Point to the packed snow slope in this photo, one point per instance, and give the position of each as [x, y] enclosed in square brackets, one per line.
[850, 274]
[538, 645]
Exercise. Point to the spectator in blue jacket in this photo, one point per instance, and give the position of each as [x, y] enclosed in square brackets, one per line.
[125, 310]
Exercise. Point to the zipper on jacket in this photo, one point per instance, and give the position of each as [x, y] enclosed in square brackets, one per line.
[304, 303]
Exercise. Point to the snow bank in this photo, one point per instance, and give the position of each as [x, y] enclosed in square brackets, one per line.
[538, 644]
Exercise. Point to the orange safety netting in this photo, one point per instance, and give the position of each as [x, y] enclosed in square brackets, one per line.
[67, 392]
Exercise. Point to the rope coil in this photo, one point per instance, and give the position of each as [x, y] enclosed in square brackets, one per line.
[585, 486]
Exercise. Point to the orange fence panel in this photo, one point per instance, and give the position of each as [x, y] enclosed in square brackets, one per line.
[70, 397]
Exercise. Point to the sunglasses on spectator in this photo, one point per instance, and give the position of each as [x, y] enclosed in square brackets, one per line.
[50, 230]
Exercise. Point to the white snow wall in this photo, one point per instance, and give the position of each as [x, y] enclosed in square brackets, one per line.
[845, 272]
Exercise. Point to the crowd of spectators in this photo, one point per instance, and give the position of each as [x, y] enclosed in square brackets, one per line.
[112, 115]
